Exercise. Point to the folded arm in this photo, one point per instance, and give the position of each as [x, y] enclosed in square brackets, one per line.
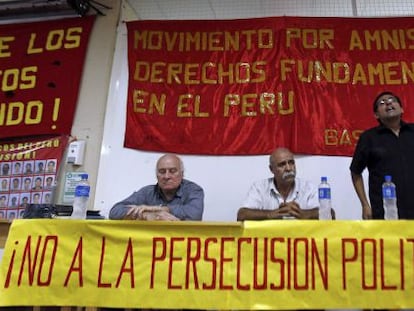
[285, 210]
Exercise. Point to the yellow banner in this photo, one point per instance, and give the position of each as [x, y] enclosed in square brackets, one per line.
[209, 265]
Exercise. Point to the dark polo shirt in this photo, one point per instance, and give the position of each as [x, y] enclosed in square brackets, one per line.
[383, 153]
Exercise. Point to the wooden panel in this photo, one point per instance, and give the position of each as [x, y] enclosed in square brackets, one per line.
[4, 231]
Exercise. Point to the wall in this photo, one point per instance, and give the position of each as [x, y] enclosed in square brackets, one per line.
[225, 179]
[100, 116]
[91, 107]
[93, 93]
[90, 112]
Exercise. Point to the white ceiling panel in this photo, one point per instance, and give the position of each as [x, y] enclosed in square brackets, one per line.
[233, 9]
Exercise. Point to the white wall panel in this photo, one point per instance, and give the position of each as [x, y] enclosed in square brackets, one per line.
[233, 9]
[377, 8]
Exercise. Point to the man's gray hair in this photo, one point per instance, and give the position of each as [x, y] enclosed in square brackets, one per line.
[277, 150]
[171, 155]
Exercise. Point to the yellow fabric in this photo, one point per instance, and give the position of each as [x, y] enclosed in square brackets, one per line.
[209, 265]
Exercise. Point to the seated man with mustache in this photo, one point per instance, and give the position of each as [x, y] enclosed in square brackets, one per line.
[282, 196]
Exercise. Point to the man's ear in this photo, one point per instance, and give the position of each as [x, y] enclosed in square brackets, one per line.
[376, 115]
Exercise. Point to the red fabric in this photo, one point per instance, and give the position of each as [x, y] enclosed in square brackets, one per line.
[327, 114]
[41, 67]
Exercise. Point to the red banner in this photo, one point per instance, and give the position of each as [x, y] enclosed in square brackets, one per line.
[246, 86]
[40, 71]
[28, 172]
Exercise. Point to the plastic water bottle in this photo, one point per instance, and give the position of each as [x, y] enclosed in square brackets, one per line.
[81, 198]
[325, 204]
[389, 199]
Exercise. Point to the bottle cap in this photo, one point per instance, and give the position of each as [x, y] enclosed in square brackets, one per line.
[84, 176]
[387, 178]
[324, 178]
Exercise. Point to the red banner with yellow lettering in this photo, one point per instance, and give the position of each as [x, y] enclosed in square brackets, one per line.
[245, 86]
[40, 72]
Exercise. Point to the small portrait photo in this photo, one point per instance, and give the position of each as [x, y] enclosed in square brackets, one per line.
[47, 197]
[27, 183]
[15, 184]
[4, 198]
[4, 185]
[49, 182]
[17, 168]
[51, 166]
[40, 166]
[24, 199]
[28, 167]
[14, 200]
[36, 198]
[11, 214]
[5, 169]
[3, 214]
[21, 213]
[37, 183]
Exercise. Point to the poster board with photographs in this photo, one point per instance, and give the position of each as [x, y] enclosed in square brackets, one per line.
[28, 173]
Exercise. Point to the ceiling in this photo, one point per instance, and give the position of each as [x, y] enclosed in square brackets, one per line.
[15, 9]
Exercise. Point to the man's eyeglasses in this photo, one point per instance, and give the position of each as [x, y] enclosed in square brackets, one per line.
[388, 100]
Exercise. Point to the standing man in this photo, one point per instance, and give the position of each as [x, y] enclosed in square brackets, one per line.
[282, 196]
[387, 149]
[172, 198]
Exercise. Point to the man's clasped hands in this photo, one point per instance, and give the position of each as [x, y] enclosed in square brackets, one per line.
[148, 212]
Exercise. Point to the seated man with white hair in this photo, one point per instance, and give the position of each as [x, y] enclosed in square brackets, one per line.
[172, 198]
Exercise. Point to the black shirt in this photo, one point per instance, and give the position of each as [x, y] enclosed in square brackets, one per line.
[384, 153]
